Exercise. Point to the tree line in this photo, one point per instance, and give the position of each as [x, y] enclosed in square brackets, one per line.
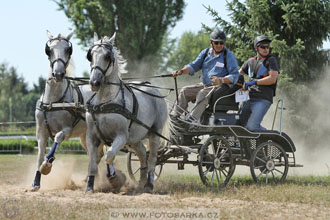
[297, 28]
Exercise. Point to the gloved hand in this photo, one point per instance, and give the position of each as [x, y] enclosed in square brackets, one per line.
[250, 83]
[177, 73]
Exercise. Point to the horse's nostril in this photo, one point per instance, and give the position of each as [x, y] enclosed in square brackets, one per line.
[95, 83]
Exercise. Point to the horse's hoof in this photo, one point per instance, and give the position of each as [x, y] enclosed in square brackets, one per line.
[148, 188]
[45, 168]
[89, 190]
[34, 188]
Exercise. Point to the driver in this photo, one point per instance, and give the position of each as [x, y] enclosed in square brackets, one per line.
[218, 65]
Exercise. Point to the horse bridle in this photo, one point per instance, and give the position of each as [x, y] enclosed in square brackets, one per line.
[47, 51]
[112, 57]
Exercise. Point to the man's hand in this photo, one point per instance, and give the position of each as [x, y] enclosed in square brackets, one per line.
[177, 72]
[216, 80]
[250, 83]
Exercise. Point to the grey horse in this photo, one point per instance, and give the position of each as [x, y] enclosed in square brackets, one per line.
[119, 115]
[59, 123]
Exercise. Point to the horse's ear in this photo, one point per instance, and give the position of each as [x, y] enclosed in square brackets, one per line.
[96, 37]
[49, 35]
[112, 39]
[68, 37]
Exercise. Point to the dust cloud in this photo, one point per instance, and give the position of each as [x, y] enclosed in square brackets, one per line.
[308, 127]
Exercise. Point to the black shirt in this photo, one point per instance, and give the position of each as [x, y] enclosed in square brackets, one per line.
[258, 69]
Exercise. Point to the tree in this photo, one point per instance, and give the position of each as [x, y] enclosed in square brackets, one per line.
[12, 92]
[140, 25]
[297, 28]
[187, 49]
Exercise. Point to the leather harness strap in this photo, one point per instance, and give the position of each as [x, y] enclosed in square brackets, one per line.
[74, 111]
[116, 108]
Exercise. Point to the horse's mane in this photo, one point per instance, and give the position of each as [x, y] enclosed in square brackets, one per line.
[122, 63]
[70, 69]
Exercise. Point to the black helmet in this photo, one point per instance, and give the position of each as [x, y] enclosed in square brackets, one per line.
[217, 35]
[261, 39]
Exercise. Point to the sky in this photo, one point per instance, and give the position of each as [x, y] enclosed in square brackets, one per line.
[23, 35]
[24, 24]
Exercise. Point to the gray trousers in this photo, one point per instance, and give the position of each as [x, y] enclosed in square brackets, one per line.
[190, 93]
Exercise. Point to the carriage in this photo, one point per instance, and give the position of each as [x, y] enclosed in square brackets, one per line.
[221, 143]
[122, 114]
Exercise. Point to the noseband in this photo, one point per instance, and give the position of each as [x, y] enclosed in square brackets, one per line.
[47, 50]
[112, 57]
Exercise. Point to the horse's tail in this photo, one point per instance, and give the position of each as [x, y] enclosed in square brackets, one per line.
[163, 117]
[165, 133]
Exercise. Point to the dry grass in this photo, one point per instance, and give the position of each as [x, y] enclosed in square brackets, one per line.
[300, 197]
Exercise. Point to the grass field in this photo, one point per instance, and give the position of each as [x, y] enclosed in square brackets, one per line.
[62, 194]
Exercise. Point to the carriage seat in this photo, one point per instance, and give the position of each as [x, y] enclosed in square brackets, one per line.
[226, 96]
[224, 99]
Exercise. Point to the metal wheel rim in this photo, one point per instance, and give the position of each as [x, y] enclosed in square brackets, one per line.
[269, 163]
[209, 174]
[134, 171]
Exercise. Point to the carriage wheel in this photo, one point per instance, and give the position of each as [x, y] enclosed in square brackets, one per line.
[269, 163]
[216, 164]
[133, 168]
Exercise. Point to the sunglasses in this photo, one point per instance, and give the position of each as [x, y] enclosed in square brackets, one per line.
[264, 46]
[218, 42]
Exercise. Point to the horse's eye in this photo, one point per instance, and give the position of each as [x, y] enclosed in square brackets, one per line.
[107, 57]
[68, 50]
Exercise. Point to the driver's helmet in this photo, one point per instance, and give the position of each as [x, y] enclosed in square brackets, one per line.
[261, 39]
[217, 35]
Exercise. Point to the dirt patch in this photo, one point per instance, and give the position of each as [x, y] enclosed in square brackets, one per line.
[48, 201]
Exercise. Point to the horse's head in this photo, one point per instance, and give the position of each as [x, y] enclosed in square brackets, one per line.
[58, 50]
[102, 58]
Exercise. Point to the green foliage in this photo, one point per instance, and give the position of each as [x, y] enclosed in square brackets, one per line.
[187, 49]
[15, 98]
[297, 28]
[27, 145]
[70, 146]
[140, 25]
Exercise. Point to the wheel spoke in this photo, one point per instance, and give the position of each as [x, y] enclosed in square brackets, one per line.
[260, 159]
[206, 172]
[282, 163]
[223, 154]
[216, 173]
[213, 147]
[259, 167]
[261, 173]
[267, 177]
[264, 152]
[226, 163]
[207, 162]
[279, 171]
[137, 170]
[212, 177]
[275, 180]
[224, 173]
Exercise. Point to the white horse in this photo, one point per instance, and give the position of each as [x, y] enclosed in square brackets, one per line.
[53, 121]
[119, 115]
